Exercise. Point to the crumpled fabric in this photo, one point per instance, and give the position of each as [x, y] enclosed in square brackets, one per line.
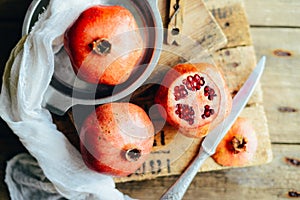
[26, 180]
[27, 75]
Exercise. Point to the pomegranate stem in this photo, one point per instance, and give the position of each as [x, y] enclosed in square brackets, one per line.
[102, 46]
[239, 144]
[133, 154]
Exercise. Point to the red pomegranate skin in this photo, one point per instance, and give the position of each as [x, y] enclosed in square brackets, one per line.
[109, 132]
[202, 118]
[242, 153]
[117, 27]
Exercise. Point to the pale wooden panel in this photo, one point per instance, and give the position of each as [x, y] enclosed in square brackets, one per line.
[271, 181]
[280, 81]
[212, 4]
[231, 16]
[273, 12]
[198, 24]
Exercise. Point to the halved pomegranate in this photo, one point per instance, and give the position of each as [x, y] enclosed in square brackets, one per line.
[195, 98]
[116, 138]
[239, 145]
[104, 44]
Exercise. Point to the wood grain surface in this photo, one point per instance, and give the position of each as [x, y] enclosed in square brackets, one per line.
[205, 29]
[275, 13]
[275, 30]
[280, 81]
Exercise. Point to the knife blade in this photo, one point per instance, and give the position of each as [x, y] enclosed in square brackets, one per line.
[211, 141]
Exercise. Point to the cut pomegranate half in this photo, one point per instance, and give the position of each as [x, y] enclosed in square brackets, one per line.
[195, 98]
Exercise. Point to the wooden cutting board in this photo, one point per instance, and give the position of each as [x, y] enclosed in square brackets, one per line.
[215, 33]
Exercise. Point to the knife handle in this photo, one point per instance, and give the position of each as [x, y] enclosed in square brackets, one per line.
[178, 189]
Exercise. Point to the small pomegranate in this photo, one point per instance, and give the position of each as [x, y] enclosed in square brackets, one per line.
[239, 145]
[104, 45]
[116, 138]
[194, 97]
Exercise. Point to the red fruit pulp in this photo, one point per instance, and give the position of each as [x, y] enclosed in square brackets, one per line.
[116, 138]
[194, 97]
[104, 45]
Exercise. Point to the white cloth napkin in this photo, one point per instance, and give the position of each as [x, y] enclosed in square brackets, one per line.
[27, 75]
[26, 180]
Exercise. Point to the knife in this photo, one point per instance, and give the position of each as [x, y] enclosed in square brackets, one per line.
[211, 141]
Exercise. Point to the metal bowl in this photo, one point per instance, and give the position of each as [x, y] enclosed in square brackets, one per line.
[66, 89]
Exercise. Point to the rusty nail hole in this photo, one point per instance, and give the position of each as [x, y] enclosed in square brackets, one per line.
[293, 161]
[282, 53]
[294, 194]
[227, 53]
[227, 24]
[286, 109]
[248, 105]
[235, 64]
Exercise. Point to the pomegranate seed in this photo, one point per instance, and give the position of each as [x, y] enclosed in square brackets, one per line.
[180, 92]
[192, 112]
[202, 82]
[185, 112]
[197, 77]
[190, 79]
[211, 97]
[209, 92]
[188, 86]
[207, 112]
[194, 82]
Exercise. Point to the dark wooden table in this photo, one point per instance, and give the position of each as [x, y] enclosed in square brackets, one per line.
[275, 29]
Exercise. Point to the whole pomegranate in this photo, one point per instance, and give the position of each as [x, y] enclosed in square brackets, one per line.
[104, 45]
[195, 98]
[116, 138]
[238, 146]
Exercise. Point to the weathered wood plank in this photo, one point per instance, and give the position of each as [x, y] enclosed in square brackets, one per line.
[198, 24]
[271, 181]
[273, 13]
[280, 81]
[231, 17]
